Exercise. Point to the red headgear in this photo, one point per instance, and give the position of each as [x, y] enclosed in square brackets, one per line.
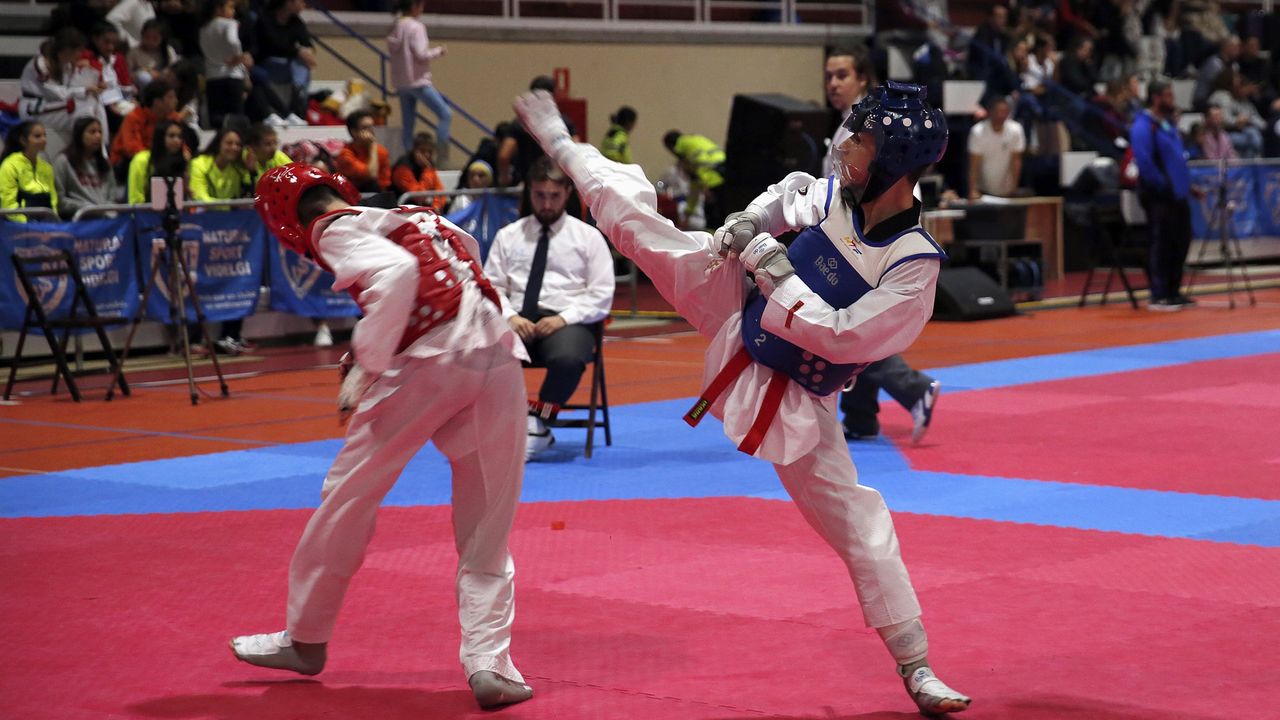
[278, 192]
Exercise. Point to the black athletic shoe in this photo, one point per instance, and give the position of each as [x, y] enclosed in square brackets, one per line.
[865, 432]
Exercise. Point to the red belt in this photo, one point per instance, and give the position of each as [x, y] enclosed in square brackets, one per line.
[768, 410]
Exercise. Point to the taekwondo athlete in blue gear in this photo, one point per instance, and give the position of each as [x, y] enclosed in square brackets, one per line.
[767, 387]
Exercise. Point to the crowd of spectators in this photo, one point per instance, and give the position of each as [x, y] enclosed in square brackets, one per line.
[150, 73]
[1087, 96]
[119, 91]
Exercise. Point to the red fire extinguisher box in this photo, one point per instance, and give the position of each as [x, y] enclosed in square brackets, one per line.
[573, 108]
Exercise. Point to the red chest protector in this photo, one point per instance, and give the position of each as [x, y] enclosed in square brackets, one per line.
[439, 288]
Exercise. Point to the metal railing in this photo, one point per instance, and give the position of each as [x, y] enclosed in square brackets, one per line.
[29, 211]
[784, 12]
[418, 195]
[92, 210]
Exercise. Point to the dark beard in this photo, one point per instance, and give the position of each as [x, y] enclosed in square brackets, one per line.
[542, 218]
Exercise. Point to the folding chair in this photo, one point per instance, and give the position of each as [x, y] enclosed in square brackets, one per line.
[60, 267]
[599, 401]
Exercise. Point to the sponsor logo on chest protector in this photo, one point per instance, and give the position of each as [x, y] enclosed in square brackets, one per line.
[828, 267]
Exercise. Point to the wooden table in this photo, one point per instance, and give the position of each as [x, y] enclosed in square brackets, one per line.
[1043, 225]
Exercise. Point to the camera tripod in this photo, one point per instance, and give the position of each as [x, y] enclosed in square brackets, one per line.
[178, 283]
[1229, 252]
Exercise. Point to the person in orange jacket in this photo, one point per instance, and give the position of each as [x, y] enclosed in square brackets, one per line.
[415, 171]
[159, 102]
[363, 160]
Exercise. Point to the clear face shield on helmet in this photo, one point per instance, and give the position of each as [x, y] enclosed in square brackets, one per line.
[892, 133]
[854, 160]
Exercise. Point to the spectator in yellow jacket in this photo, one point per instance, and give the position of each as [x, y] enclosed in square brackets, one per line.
[219, 173]
[262, 152]
[26, 178]
[168, 157]
[617, 141]
[702, 161]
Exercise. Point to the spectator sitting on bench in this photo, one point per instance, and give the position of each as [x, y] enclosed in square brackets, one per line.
[363, 161]
[415, 171]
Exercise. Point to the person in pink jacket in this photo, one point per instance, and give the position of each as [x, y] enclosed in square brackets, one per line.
[411, 55]
[434, 360]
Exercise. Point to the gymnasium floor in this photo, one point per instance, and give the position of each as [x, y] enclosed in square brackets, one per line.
[1093, 526]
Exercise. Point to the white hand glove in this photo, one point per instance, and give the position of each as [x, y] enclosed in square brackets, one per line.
[738, 229]
[767, 260]
[355, 384]
[538, 112]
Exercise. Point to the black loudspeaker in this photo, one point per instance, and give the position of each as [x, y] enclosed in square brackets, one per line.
[967, 293]
[770, 135]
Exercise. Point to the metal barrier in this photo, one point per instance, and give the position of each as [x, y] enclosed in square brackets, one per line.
[1237, 162]
[89, 210]
[38, 211]
[419, 195]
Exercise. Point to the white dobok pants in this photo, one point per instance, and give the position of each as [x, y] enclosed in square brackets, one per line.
[473, 406]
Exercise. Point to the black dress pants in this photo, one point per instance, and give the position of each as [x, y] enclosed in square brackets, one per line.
[860, 405]
[565, 354]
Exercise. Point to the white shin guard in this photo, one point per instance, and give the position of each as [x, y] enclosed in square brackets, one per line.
[906, 641]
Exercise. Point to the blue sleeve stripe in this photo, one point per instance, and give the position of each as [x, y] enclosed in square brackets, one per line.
[831, 183]
[939, 256]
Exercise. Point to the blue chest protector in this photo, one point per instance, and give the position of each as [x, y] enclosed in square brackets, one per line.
[828, 272]
[821, 266]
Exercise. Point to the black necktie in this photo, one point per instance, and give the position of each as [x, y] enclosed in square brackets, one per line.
[529, 310]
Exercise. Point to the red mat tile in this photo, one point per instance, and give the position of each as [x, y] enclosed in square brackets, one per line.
[1123, 429]
[717, 609]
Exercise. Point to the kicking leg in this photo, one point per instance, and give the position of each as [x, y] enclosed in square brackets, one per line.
[684, 267]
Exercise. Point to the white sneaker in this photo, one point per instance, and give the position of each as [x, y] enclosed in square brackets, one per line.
[922, 412]
[275, 121]
[294, 121]
[324, 336]
[229, 346]
[539, 437]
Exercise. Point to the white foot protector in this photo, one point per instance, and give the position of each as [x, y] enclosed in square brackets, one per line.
[930, 694]
[492, 690]
[276, 651]
[538, 113]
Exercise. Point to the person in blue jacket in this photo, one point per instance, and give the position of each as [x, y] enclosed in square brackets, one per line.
[1164, 187]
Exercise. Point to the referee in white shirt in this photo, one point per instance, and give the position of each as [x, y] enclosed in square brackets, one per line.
[555, 275]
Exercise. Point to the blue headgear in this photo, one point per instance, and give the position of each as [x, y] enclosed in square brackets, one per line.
[909, 135]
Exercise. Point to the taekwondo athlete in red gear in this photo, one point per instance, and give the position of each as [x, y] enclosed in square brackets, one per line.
[434, 361]
[846, 295]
